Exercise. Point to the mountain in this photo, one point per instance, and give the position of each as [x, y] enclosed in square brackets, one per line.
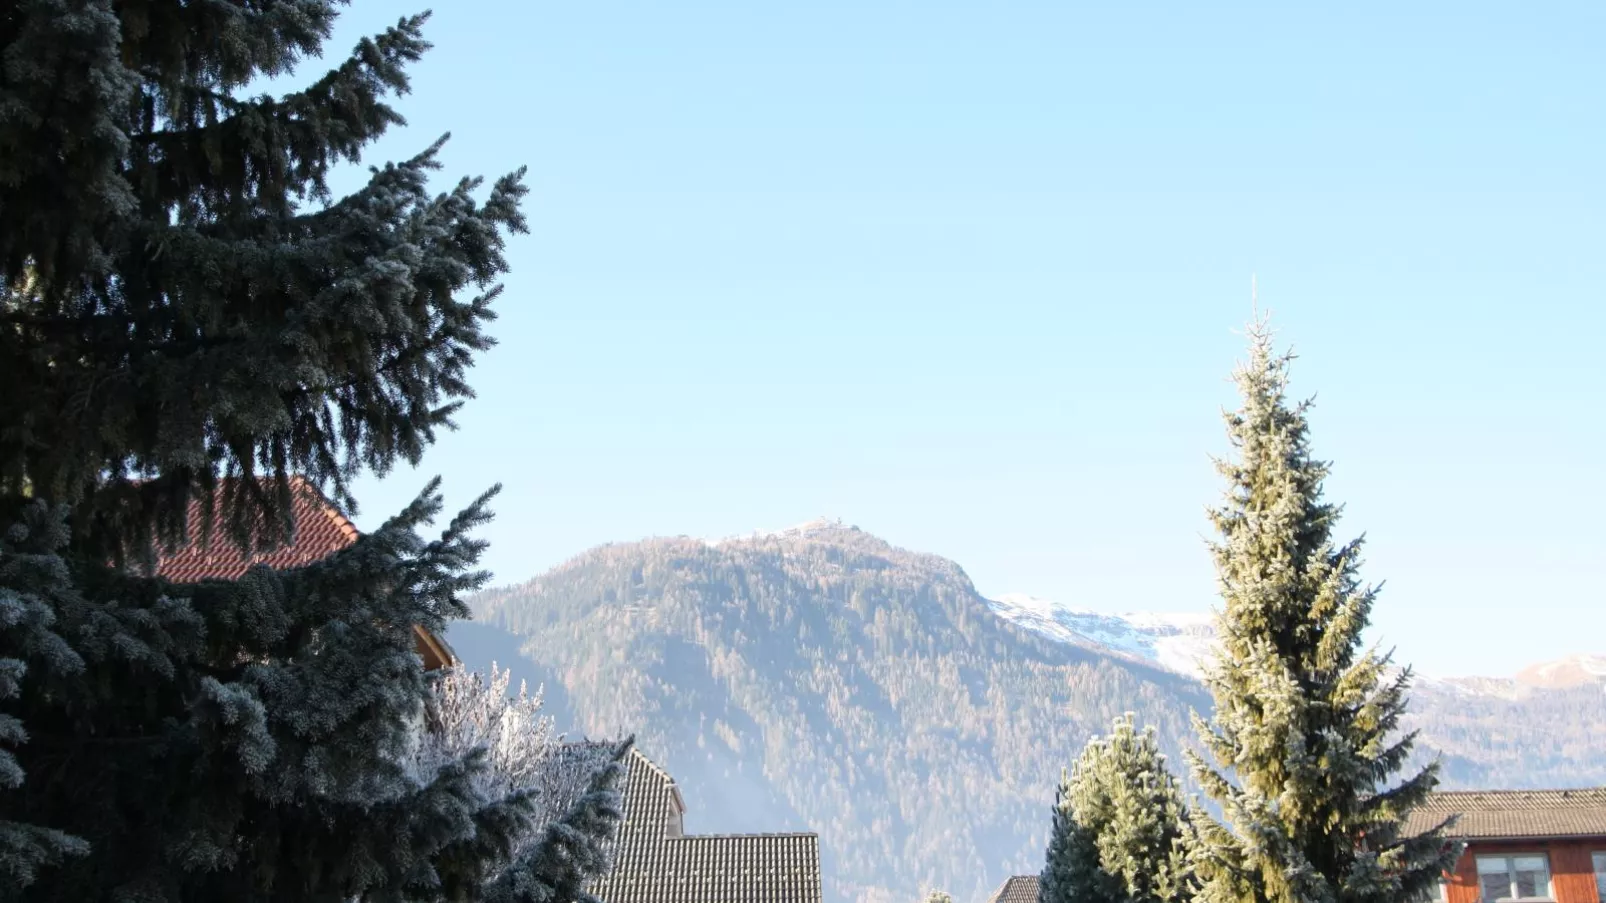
[1539, 728]
[1183, 642]
[1179, 642]
[822, 679]
[1574, 671]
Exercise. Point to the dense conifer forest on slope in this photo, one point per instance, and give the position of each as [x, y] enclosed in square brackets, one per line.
[829, 681]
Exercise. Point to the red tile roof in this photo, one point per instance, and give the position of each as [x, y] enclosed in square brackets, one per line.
[320, 531]
[1514, 814]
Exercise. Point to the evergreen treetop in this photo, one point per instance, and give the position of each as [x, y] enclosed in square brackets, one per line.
[1119, 826]
[1305, 729]
[182, 299]
[188, 314]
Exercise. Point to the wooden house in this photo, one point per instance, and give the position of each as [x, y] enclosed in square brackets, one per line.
[1523, 846]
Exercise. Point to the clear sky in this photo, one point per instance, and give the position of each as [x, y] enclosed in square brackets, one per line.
[971, 276]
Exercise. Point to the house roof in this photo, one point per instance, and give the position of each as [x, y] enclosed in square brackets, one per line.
[656, 862]
[1019, 889]
[320, 531]
[1514, 814]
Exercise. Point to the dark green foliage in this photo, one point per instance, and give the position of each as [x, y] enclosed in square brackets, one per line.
[182, 297]
[187, 313]
[1072, 872]
[244, 740]
[1119, 826]
[1306, 723]
[34, 586]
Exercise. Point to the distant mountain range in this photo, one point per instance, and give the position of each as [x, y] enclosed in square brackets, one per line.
[819, 678]
[1183, 641]
[1179, 642]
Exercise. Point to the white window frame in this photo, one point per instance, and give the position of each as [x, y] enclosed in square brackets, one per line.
[1547, 892]
[1598, 859]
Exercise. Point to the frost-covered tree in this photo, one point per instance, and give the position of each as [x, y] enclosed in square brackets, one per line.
[528, 766]
[938, 896]
[189, 315]
[1119, 826]
[1304, 733]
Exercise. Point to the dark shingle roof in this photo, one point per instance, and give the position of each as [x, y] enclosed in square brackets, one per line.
[1019, 889]
[655, 862]
[320, 531]
[1514, 814]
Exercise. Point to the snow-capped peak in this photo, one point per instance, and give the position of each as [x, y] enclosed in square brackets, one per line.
[1177, 641]
[1183, 641]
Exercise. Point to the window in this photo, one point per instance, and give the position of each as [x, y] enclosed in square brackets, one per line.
[1513, 878]
[1600, 875]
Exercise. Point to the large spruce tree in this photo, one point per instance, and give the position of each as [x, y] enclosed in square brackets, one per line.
[187, 315]
[1305, 728]
[1119, 826]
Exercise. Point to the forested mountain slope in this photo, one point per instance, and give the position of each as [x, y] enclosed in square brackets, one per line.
[822, 679]
[825, 680]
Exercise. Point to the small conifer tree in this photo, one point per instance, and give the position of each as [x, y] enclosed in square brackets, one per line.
[1305, 724]
[1119, 826]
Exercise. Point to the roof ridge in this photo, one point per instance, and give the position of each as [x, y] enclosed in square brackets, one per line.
[813, 834]
[1443, 793]
[657, 769]
[301, 483]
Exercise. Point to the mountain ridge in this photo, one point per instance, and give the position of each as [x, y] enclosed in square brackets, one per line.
[1182, 640]
[821, 678]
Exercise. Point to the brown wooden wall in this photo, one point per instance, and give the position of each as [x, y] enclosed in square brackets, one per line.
[1572, 868]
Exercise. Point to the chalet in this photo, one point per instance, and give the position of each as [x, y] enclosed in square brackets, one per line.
[320, 531]
[1523, 845]
[1019, 889]
[655, 861]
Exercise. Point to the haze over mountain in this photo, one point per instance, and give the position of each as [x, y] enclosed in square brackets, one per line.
[822, 679]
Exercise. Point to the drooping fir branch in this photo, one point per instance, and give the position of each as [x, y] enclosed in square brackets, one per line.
[33, 583]
[231, 727]
[171, 316]
[217, 157]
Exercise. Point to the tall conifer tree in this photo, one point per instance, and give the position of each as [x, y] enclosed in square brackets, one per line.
[1119, 826]
[1304, 732]
[187, 314]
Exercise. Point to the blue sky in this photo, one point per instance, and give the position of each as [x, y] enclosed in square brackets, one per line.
[971, 276]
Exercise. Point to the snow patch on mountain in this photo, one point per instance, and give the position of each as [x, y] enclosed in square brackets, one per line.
[1176, 641]
[1183, 641]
